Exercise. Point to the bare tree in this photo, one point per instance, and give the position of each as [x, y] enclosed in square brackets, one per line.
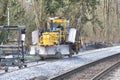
[36, 13]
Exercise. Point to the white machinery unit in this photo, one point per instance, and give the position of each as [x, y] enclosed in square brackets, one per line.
[72, 35]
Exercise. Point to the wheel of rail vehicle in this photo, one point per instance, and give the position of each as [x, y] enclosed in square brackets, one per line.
[20, 66]
[42, 58]
[71, 52]
[6, 69]
[25, 65]
[58, 55]
[70, 55]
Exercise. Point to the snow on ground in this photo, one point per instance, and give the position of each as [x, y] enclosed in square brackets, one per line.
[51, 68]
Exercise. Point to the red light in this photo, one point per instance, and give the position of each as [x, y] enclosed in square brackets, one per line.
[60, 17]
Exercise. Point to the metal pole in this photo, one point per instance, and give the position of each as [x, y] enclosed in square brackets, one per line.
[22, 52]
[8, 16]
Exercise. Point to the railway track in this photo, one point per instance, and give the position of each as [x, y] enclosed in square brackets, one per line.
[113, 74]
[56, 66]
[35, 63]
[105, 71]
[17, 69]
[90, 71]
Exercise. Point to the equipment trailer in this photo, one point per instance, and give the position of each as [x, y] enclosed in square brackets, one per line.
[12, 48]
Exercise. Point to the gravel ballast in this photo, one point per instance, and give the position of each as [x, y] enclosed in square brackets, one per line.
[52, 68]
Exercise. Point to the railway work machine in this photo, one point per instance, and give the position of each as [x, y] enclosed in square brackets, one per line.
[57, 39]
[12, 47]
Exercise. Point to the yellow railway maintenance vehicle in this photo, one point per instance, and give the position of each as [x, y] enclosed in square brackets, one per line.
[56, 40]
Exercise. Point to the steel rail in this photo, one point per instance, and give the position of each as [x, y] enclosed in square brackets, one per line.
[24, 67]
[105, 71]
[64, 74]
